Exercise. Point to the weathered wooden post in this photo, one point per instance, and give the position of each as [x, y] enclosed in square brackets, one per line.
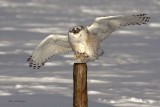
[80, 97]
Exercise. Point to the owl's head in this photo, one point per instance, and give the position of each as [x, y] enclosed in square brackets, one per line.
[77, 33]
[76, 29]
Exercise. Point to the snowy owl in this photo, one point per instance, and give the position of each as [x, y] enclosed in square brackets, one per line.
[83, 41]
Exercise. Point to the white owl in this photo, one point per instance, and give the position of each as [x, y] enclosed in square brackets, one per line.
[83, 41]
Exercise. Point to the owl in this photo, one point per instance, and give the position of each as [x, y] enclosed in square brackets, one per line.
[84, 41]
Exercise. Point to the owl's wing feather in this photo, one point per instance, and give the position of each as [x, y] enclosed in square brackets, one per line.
[104, 26]
[50, 46]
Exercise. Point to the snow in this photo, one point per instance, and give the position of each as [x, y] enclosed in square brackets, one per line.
[127, 75]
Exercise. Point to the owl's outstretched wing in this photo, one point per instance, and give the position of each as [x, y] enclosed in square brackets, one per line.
[104, 26]
[50, 46]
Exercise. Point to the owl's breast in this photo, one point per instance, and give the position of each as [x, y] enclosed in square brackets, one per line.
[79, 47]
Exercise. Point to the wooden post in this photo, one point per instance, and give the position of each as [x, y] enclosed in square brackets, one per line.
[80, 97]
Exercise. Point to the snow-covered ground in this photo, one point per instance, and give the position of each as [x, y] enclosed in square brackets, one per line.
[128, 74]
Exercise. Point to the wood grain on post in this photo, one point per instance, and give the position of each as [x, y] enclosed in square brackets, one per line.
[80, 97]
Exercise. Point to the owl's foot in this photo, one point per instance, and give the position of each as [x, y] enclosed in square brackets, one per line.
[84, 54]
[81, 57]
[77, 55]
